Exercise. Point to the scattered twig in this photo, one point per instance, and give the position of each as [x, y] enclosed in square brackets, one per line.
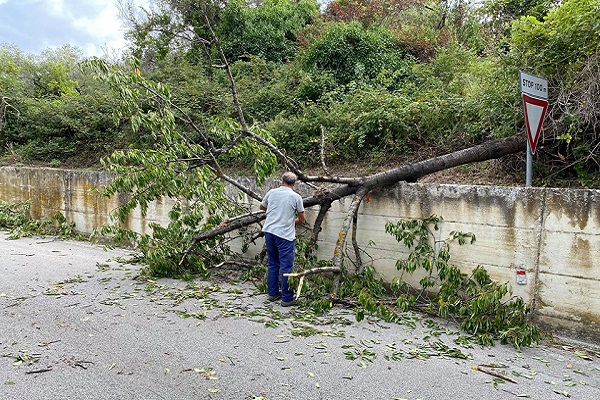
[493, 373]
[17, 302]
[515, 394]
[44, 344]
[39, 371]
[494, 365]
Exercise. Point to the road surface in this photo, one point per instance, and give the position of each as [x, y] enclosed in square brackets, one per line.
[76, 323]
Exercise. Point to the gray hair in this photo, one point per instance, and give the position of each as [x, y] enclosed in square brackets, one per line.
[289, 178]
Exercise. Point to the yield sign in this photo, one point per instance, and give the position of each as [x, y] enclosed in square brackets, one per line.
[535, 111]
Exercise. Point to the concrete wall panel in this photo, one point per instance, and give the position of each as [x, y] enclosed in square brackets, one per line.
[553, 234]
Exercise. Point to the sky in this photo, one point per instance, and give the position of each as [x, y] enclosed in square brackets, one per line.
[36, 25]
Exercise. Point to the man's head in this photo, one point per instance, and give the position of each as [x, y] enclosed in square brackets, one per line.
[289, 178]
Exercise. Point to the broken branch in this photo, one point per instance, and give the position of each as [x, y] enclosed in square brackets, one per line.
[493, 373]
[39, 371]
[312, 271]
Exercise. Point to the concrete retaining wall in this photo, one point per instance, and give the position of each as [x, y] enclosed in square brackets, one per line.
[552, 234]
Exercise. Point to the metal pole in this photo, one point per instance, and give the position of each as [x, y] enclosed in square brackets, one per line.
[528, 172]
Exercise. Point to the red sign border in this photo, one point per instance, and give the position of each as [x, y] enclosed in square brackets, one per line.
[533, 139]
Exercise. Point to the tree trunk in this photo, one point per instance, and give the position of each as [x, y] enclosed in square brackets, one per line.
[411, 172]
[360, 186]
[338, 253]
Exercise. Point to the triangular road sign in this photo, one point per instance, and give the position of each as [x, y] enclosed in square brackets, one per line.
[535, 111]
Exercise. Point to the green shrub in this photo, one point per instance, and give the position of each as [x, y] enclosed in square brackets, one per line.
[267, 30]
[350, 53]
[478, 303]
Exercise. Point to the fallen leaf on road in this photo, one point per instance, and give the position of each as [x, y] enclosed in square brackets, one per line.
[581, 354]
[540, 359]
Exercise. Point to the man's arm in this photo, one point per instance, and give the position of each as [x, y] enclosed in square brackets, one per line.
[262, 208]
[300, 220]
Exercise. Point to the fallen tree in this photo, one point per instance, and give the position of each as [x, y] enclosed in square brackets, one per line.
[360, 186]
[490, 150]
[187, 165]
[206, 216]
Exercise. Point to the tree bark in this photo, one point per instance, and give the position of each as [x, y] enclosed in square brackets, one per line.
[338, 253]
[359, 267]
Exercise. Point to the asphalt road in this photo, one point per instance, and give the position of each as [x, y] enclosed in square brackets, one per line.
[75, 324]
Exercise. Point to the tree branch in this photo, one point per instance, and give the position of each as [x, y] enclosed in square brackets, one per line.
[236, 101]
[411, 172]
[359, 264]
[313, 271]
[339, 246]
[319, 221]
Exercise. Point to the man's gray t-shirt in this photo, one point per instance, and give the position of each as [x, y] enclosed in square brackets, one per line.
[282, 204]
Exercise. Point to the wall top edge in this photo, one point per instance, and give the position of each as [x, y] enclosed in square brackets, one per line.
[274, 181]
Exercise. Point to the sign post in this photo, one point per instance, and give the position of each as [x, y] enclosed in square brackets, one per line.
[534, 92]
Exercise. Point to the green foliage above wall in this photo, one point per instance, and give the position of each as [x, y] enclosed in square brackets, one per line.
[562, 42]
[267, 30]
[350, 53]
[422, 78]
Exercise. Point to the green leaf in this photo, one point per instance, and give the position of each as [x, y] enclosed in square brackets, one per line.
[583, 355]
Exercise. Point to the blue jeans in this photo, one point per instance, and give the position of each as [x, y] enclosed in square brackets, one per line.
[281, 261]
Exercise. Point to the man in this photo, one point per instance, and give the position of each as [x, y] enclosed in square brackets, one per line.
[284, 210]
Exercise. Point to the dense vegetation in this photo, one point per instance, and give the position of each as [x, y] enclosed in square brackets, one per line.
[386, 80]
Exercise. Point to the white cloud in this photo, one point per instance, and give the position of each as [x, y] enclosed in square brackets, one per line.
[105, 26]
[56, 7]
[92, 25]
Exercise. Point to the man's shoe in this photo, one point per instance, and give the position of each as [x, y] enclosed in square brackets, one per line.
[274, 298]
[288, 303]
